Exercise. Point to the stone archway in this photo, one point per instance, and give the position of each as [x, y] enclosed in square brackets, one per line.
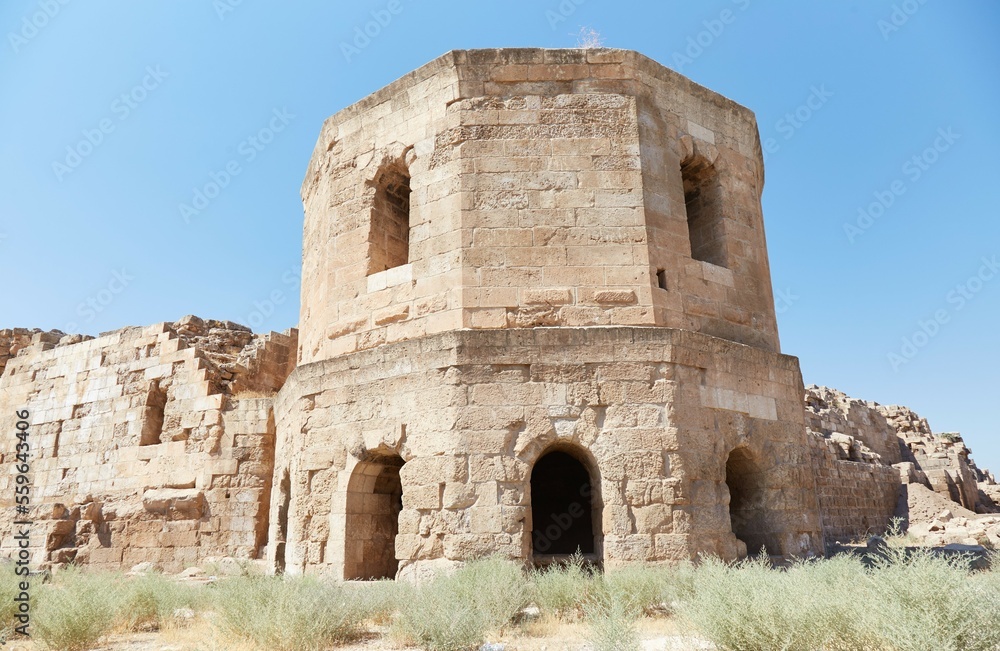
[564, 511]
[374, 500]
[748, 513]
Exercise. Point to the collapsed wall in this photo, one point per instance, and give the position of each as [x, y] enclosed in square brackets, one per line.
[874, 463]
[147, 444]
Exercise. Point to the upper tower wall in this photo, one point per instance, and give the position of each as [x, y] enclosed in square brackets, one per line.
[528, 187]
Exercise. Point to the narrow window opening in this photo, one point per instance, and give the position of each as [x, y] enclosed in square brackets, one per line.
[285, 496]
[374, 501]
[389, 235]
[703, 203]
[661, 278]
[152, 415]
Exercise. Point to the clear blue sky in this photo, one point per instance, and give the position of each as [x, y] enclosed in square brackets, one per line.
[92, 237]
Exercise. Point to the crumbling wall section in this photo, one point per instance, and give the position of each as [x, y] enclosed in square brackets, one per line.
[941, 462]
[139, 450]
[856, 497]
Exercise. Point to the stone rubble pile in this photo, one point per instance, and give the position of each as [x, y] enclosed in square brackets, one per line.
[946, 499]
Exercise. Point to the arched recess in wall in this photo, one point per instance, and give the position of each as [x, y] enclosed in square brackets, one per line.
[389, 232]
[374, 500]
[565, 507]
[748, 513]
[704, 206]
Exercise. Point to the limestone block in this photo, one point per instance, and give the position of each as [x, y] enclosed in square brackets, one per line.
[177, 504]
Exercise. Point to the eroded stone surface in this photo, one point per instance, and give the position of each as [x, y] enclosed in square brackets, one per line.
[144, 447]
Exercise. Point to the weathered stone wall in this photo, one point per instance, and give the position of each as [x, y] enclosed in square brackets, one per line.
[867, 458]
[654, 414]
[140, 452]
[941, 462]
[841, 418]
[856, 498]
[547, 187]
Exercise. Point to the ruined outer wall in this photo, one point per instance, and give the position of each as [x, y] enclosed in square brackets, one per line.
[856, 498]
[546, 190]
[139, 453]
[655, 410]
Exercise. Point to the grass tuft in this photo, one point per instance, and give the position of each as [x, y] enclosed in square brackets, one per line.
[289, 613]
[457, 611]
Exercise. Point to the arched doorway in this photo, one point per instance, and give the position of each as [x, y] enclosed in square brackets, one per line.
[374, 500]
[748, 514]
[562, 508]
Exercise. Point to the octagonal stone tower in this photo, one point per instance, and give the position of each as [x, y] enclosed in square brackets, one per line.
[536, 319]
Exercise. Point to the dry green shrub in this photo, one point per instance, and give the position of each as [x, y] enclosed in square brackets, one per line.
[153, 601]
[9, 589]
[453, 612]
[908, 601]
[562, 590]
[77, 609]
[381, 598]
[289, 613]
[922, 601]
[752, 607]
[611, 612]
[649, 589]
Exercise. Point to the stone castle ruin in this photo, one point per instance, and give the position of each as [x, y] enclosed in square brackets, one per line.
[536, 319]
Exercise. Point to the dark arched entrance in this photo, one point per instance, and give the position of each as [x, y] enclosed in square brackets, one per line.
[374, 500]
[562, 507]
[747, 502]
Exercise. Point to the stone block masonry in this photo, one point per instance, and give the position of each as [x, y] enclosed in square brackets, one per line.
[536, 319]
[142, 450]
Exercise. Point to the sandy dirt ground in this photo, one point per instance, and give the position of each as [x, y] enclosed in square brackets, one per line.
[656, 635]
